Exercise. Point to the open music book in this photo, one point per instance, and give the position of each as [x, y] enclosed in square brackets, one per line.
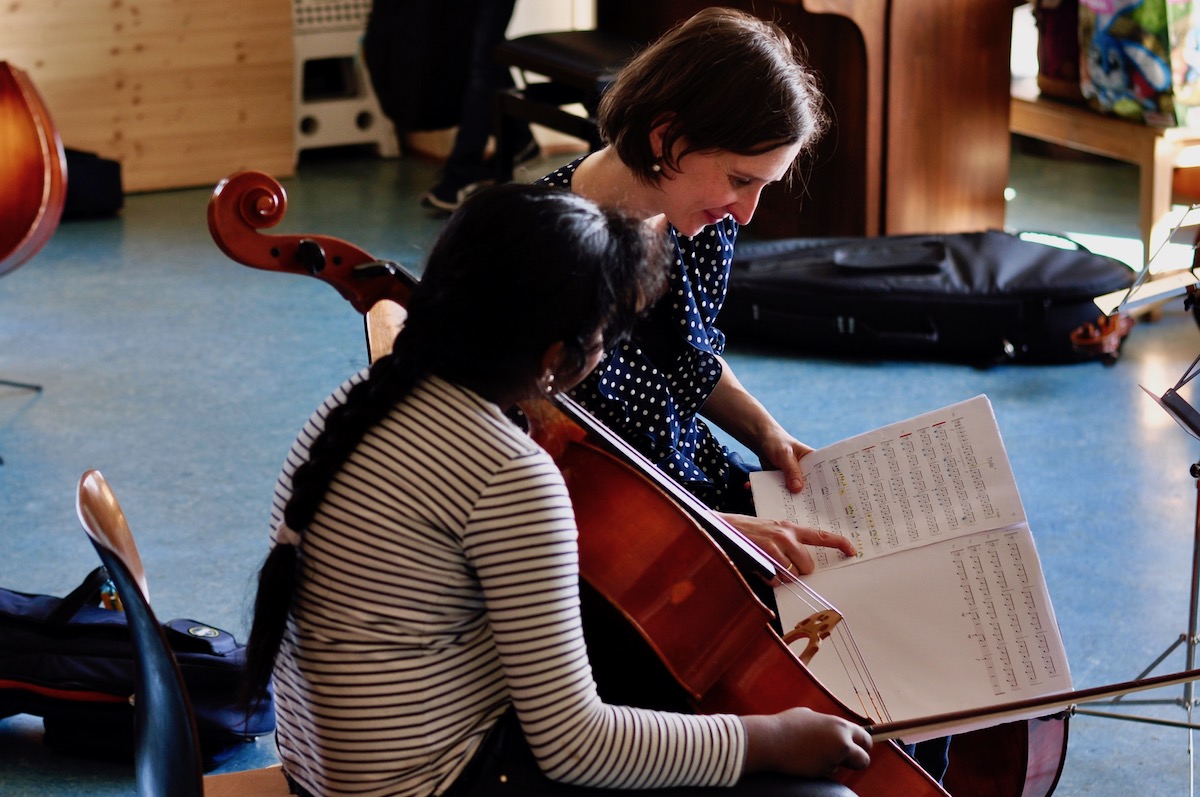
[946, 600]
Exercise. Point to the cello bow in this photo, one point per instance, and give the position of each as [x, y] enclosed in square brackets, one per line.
[1063, 702]
[735, 662]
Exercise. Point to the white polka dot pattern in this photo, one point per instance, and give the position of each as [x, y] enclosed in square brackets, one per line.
[650, 388]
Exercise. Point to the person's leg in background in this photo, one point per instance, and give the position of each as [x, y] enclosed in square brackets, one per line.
[466, 170]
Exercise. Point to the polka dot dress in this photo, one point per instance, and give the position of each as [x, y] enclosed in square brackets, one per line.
[650, 388]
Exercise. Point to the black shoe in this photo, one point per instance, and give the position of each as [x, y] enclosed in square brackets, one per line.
[530, 152]
[449, 193]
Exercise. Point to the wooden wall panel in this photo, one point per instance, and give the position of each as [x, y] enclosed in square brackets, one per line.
[181, 92]
[948, 145]
[919, 96]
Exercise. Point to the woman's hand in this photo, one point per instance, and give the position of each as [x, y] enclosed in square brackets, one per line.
[786, 542]
[780, 451]
[804, 743]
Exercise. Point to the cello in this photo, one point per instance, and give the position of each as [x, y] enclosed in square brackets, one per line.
[672, 582]
[33, 170]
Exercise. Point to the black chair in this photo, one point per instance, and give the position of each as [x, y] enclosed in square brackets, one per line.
[573, 67]
[166, 743]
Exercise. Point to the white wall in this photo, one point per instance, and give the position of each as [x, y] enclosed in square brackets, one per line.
[538, 16]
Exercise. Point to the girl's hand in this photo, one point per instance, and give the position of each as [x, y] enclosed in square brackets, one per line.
[804, 743]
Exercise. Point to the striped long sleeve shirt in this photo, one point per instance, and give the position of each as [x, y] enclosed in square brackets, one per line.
[439, 585]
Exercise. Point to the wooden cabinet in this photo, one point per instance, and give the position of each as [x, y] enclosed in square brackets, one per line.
[181, 92]
[919, 95]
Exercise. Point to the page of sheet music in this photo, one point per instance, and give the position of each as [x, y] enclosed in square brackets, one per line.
[966, 623]
[938, 475]
[946, 602]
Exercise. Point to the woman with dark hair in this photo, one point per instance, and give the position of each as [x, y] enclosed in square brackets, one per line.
[695, 126]
[420, 607]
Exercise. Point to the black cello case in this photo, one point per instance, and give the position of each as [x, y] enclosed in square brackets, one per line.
[980, 297]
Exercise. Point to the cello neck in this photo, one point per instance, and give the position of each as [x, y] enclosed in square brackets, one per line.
[735, 545]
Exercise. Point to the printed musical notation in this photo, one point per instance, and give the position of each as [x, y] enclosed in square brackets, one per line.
[1004, 609]
[946, 595]
[939, 475]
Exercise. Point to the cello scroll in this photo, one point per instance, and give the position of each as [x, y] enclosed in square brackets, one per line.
[247, 202]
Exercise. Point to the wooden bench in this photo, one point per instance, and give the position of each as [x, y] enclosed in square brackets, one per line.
[1156, 151]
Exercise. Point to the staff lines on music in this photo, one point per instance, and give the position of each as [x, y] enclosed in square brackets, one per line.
[1003, 612]
[883, 495]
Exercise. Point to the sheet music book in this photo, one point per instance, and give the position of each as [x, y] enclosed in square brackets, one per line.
[946, 599]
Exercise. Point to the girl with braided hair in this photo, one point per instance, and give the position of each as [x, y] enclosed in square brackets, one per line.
[419, 609]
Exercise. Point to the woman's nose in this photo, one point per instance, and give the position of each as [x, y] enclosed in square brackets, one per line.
[743, 209]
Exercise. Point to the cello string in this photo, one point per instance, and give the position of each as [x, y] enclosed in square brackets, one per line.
[858, 673]
[845, 645]
[699, 511]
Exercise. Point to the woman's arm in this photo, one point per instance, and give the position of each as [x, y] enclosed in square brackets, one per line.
[521, 541]
[735, 410]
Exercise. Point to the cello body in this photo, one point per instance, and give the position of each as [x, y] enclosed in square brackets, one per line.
[1017, 759]
[710, 631]
[669, 580]
[33, 171]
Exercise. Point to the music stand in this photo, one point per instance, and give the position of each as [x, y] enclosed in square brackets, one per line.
[1187, 417]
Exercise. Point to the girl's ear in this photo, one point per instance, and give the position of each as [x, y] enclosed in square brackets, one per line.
[552, 360]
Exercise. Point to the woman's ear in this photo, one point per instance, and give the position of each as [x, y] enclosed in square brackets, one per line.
[657, 134]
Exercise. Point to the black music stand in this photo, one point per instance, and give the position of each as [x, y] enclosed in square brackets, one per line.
[1188, 418]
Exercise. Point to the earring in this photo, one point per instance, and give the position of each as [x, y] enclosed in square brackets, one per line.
[549, 383]
[655, 168]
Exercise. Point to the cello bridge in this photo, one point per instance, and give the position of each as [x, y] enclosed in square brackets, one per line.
[814, 628]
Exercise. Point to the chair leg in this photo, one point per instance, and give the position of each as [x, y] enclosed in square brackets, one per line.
[21, 385]
[544, 110]
[504, 145]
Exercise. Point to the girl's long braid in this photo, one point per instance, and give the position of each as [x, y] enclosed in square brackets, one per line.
[390, 379]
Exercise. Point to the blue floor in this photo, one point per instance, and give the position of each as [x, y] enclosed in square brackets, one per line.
[183, 377]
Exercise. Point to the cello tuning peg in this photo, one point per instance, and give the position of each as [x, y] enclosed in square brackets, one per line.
[311, 256]
[377, 268]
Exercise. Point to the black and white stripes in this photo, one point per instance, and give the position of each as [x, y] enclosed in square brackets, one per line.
[439, 583]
